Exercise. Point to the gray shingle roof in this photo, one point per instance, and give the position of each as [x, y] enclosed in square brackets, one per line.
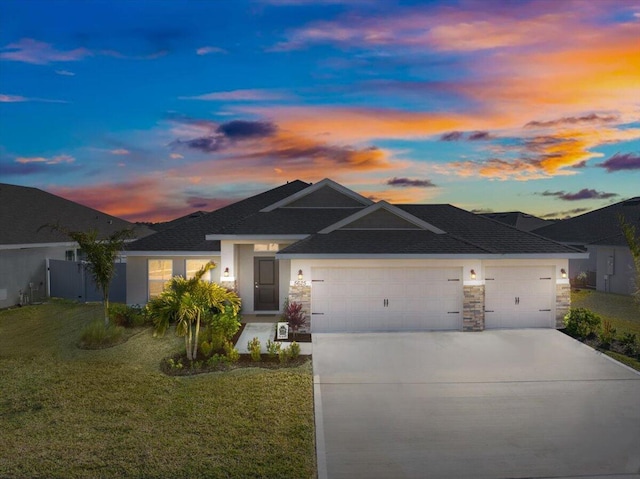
[492, 236]
[190, 236]
[466, 234]
[24, 210]
[382, 242]
[518, 219]
[600, 226]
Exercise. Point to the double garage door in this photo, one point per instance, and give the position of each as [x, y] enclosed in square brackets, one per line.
[427, 299]
[386, 299]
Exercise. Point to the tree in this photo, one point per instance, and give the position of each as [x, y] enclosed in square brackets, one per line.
[101, 256]
[633, 240]
[189, 303]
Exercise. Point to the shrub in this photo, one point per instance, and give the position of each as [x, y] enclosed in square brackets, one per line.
[294, 350]
[629, 344]
[127, 316]
[254, 349]
[218, 361]
[273, 348]
[607, 334]
[206, 348]
[581, 323]
[294, 316]
[222, 327]
[97, 335]
[284, 355]
[231, 352]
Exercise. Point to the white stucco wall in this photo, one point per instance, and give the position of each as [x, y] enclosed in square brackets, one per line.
[622, 280]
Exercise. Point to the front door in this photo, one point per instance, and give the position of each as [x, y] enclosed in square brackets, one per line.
[265, 277]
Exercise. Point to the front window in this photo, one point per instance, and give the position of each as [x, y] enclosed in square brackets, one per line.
[195, 265]
[160, 272]
[263, 247]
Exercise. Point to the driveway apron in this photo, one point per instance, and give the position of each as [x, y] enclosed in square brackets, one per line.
[496, 404]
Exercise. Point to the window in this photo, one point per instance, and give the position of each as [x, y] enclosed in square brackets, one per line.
[195, 265]
[160, 272]
[70, 255]
[261, 247]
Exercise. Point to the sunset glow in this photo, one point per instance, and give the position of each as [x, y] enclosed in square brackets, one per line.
[152, 110]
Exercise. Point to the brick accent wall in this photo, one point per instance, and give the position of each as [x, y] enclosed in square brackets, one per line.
[300, 292]
[473, 312]
[563, 303]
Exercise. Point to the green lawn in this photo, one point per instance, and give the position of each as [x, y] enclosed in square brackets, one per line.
[621, 310]
[66, 412]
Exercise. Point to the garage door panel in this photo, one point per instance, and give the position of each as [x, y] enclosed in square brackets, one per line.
[519, 297]
[386, 299]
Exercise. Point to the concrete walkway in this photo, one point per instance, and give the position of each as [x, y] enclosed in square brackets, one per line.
[264, 332]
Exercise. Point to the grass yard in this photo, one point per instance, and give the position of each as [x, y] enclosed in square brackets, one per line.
[621, 310]
[71, 413]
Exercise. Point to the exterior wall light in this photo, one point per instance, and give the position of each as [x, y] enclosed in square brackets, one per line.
[226, 272]
[473, 274]
[563, 272]
[300, 275]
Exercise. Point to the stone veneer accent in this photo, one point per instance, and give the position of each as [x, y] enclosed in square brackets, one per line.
[229, 285]
[563, 303]
[300, 292]
[473, 309]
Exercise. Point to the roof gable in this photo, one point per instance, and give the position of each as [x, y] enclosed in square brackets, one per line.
[382, 216]
[324, 194]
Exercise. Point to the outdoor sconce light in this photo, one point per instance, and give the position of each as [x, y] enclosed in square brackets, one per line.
[300, 274]
[473, 274]
[226, 272]
[563, 273]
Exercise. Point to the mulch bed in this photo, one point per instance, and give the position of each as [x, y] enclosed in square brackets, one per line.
[245, 361]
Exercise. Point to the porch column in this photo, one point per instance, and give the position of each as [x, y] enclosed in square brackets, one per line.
[473, 291]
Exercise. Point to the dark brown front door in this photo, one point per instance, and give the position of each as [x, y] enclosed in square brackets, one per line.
[265, 276]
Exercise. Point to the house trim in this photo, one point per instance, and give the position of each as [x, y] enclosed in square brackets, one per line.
[171, 253]
[321, 184]
[388, 207]
[38, 245]
[431, 256]
[250, 238]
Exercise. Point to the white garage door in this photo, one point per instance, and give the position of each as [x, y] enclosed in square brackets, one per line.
[386, 299]
[519, 297]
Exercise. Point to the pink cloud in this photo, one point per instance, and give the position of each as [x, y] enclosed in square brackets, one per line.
[238, 95]
[55, 160]
[120, 152]
[20, 99]
[28, 50]
[208, 50]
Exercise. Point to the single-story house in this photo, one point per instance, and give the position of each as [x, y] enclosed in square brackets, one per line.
[609, 267]
[356, 265]
[25, 246]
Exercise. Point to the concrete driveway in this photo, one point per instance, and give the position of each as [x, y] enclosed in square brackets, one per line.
[522, 403]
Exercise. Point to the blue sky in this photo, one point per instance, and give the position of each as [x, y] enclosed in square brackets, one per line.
[150, 110]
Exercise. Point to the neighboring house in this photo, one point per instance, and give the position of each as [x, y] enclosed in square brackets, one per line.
[356, 265]
[609, 267]
[519, 220]
[25, 246]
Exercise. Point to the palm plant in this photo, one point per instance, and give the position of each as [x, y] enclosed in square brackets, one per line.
[189, 303]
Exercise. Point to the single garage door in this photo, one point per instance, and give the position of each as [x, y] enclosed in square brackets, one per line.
[386, 299]
[519, 297]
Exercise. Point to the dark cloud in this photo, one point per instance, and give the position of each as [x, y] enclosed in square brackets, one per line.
[482, 211]
[583, 194]
[451, 136]
[479, 135]
[572, 120]
[241, 129]
[407, 182]
[226, 133]
[582, 164]
[624, 161]
[563, 215]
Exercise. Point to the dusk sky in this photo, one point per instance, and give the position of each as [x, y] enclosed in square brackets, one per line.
[149, 110]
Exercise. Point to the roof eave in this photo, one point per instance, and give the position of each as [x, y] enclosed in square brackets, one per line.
[431, 256]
